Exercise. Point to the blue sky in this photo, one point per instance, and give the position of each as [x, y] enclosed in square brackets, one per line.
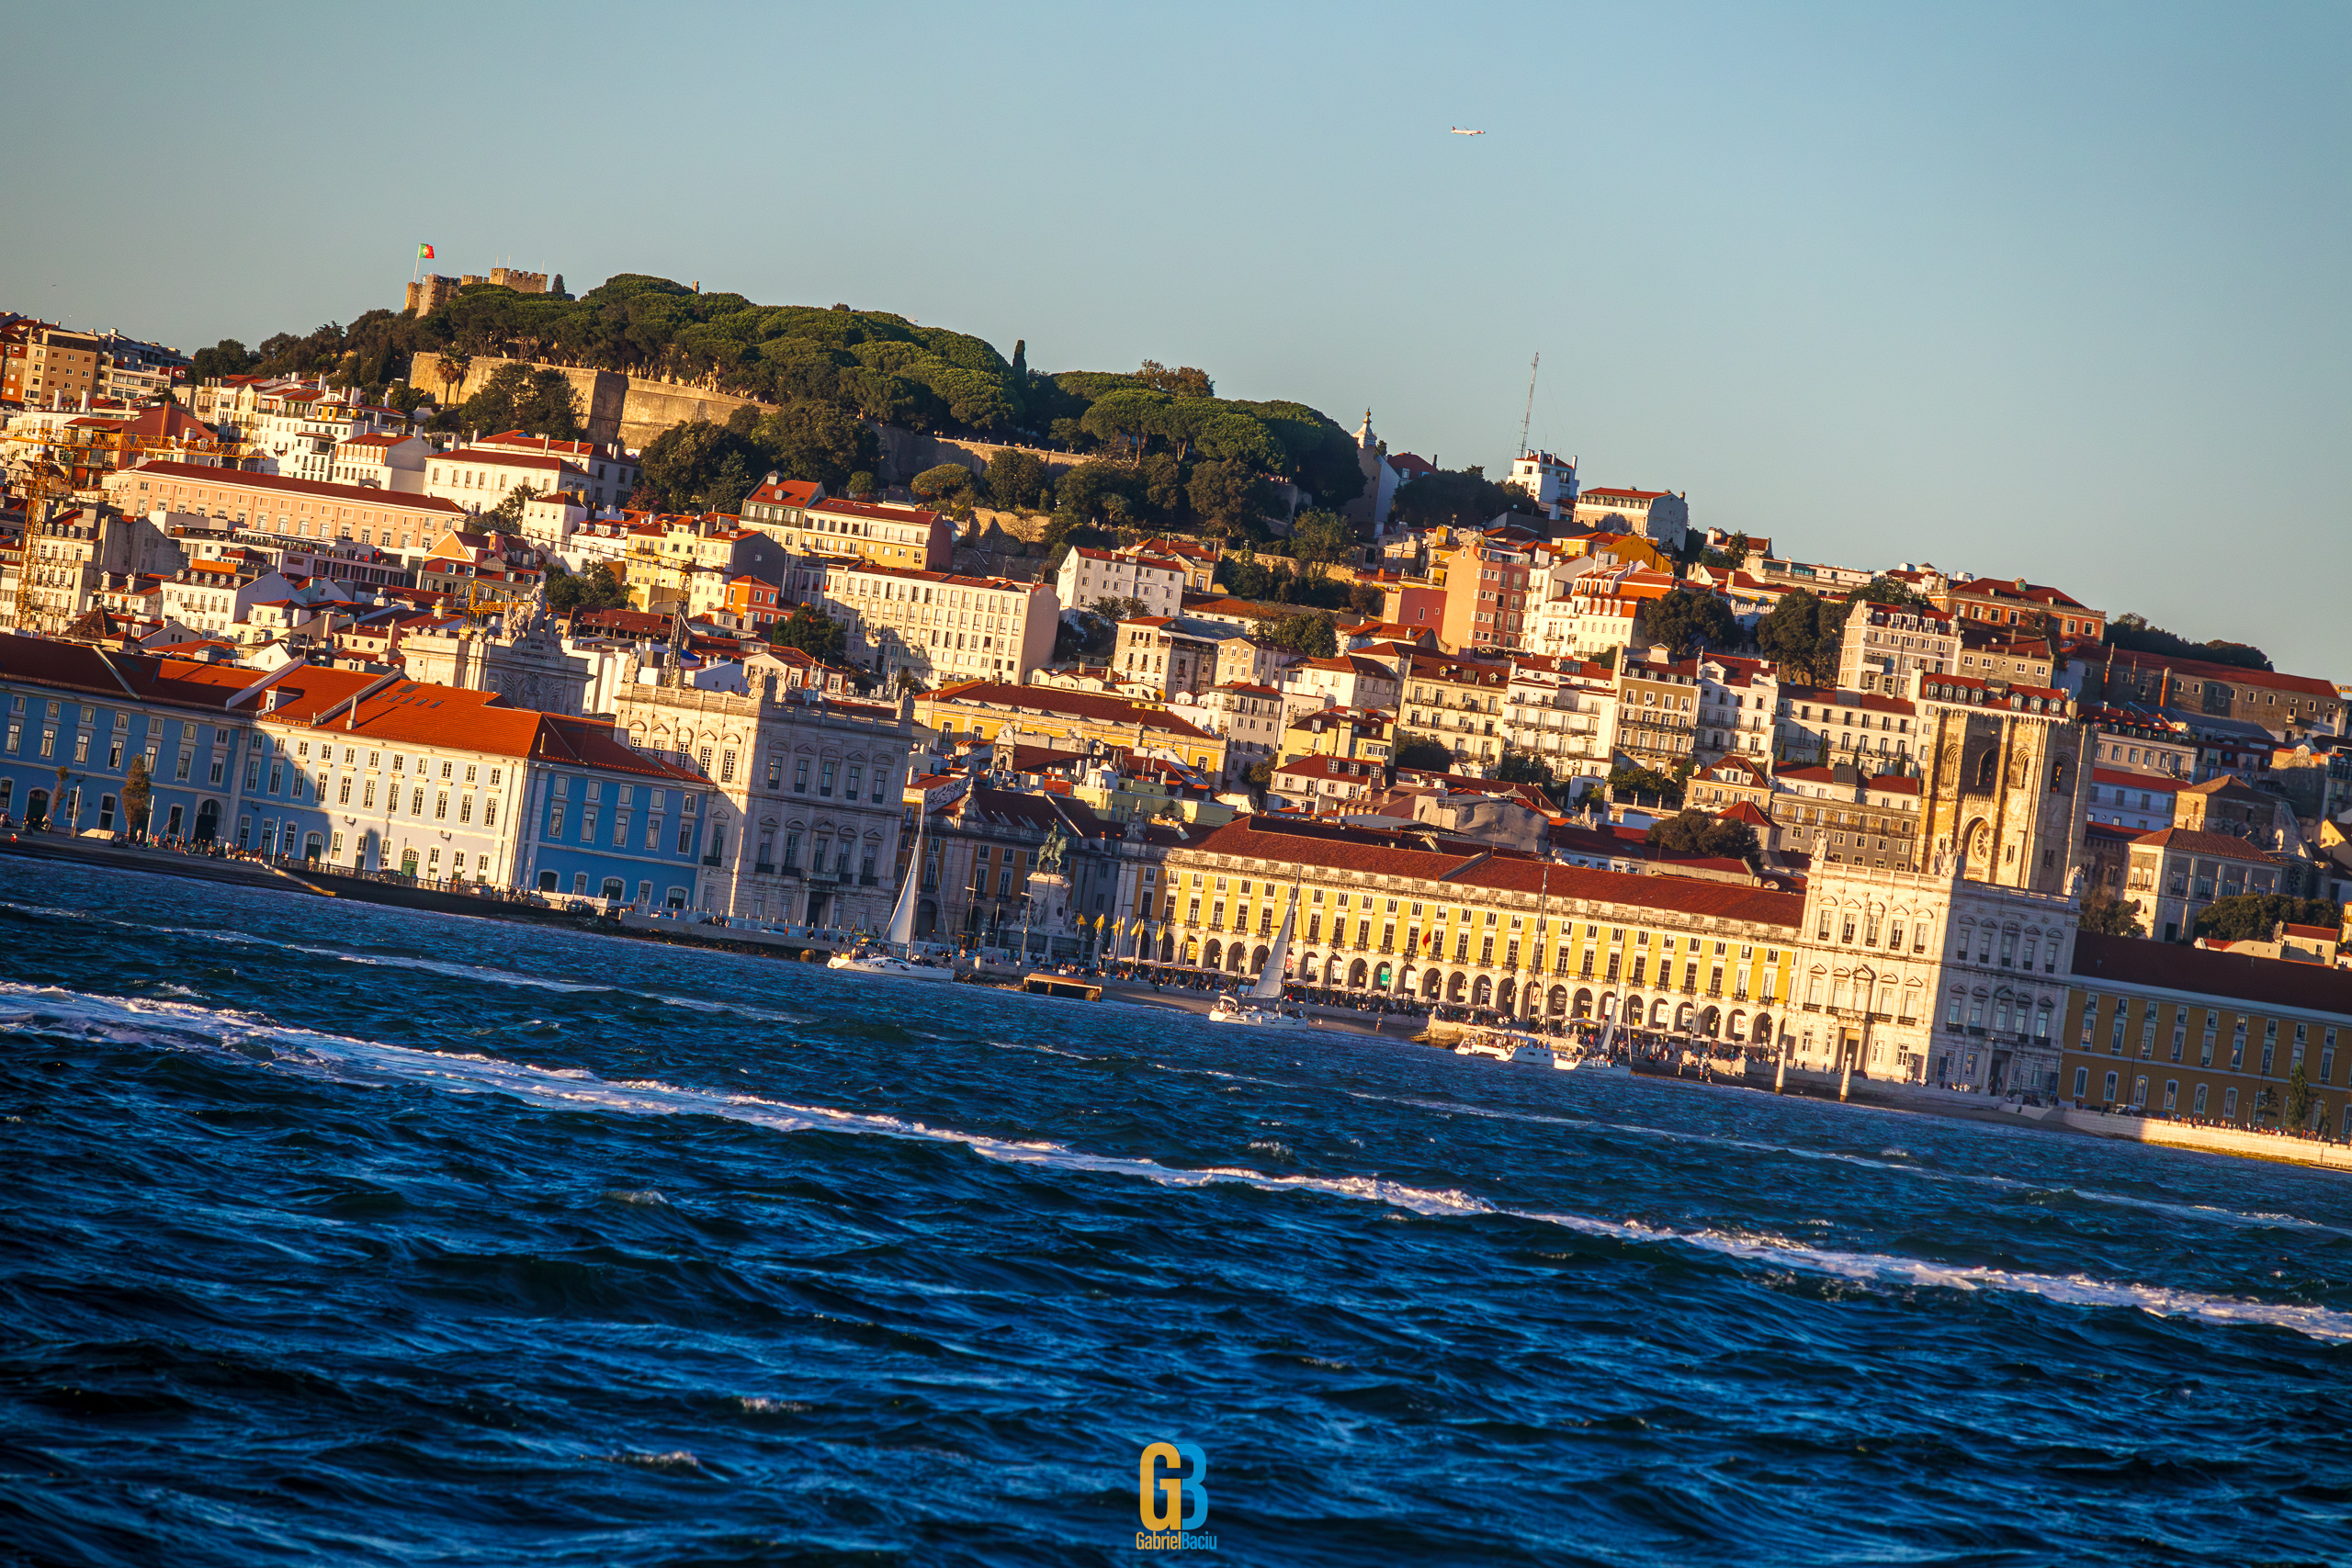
[2055, 291]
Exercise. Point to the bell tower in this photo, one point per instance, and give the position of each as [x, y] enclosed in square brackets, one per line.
[2006, 771]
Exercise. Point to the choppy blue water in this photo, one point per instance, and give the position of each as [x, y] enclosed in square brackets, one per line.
[337, 1235]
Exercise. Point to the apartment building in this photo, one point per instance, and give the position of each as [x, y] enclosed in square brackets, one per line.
[1661, 516]
[1064, 721]
[806, 521]
[1867, 729]
[1841, 816]
[2174, 872]
[1738, 710]
[1459, 704]
[609, 471]
[941, 626]
[478, 478]
[301, 509]
[1089, 576]
[1560, 710]
[2015, 603]
[1658, 713]
[1885, 645]
[1493, 590]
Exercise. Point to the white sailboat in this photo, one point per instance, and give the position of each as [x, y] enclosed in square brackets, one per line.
[1260, 1005]
[1596, 1060]
[897, 958]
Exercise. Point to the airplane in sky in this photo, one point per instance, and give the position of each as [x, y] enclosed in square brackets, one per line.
[1459, 132]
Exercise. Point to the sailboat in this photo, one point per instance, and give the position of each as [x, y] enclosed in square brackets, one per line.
[897, 957]
[1595, 1060]
[1260, 1005]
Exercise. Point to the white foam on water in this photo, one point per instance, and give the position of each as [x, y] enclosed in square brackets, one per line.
[130, 1020]
[2207, 1212]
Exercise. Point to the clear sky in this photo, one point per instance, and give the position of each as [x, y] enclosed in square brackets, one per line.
[2051, 290]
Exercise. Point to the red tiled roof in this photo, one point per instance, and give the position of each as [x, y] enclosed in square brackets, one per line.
[878, 511]
[2102, 961]
[787, 492]
[2269, 680]
[1093, 706]
[502, 459]
[2161, 782]
[2190, 840]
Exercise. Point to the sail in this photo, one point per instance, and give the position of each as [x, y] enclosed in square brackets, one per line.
[902, 918]
[1270, 978]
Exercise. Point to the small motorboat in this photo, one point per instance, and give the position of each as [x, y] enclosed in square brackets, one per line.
[1504, 1046]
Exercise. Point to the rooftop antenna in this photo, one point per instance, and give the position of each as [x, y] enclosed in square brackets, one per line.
[1528, 417]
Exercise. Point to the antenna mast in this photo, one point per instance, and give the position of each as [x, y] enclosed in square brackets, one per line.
[1529, 417]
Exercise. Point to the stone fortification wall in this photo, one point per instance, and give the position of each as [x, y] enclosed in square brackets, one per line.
[627, 409]
[633, 411]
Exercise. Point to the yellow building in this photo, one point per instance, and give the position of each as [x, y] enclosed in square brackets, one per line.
[1472, 927]
[1067, 721]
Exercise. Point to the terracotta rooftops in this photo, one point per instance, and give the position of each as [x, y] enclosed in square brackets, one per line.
[1093, 706]
[787, 492]
[2190, 840]
[501, 457]
[875, 511]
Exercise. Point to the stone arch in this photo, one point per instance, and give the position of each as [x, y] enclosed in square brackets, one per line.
[1258, 958]
[1482, 994]
[1432, 983]
[1505, 995]
[1763, 1035]
[1454, 986]
[1582, 1007]
[1657, 1013]
[1356, 973]
[1212, 953]
[1237, 958]
[1682, 1015]
[1711, 1022]
[1558, 1002]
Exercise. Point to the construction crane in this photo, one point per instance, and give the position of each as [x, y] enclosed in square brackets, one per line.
[52, 464]
[1528, 419]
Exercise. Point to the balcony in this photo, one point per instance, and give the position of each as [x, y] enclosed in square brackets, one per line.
[710, 860]
[763, 868]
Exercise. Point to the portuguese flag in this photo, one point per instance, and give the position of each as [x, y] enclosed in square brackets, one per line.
[424, 253]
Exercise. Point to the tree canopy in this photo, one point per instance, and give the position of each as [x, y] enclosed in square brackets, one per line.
[2103, 914]
[1801, 634]
[598, 588]
[2253, 917]
[1422, 752]
[516, 397]
[2133, 632]
[1464, 498]
[812, 631]
[1630, 782]
[1695, 832]
[698, 465]
[1687, 617]
[1305, 632]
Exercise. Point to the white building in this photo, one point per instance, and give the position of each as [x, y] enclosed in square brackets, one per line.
[1562, 710]
[478, 478]
[1739, 703]
[1088, 576]
[383, 460]
[1548, 480]
[1885, 645]
[940, 627]
[300, 431]
[1659, 515]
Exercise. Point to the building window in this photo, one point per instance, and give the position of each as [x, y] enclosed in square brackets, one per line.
[800, 775]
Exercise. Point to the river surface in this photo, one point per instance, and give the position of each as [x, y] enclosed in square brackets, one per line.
[342, 1235]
